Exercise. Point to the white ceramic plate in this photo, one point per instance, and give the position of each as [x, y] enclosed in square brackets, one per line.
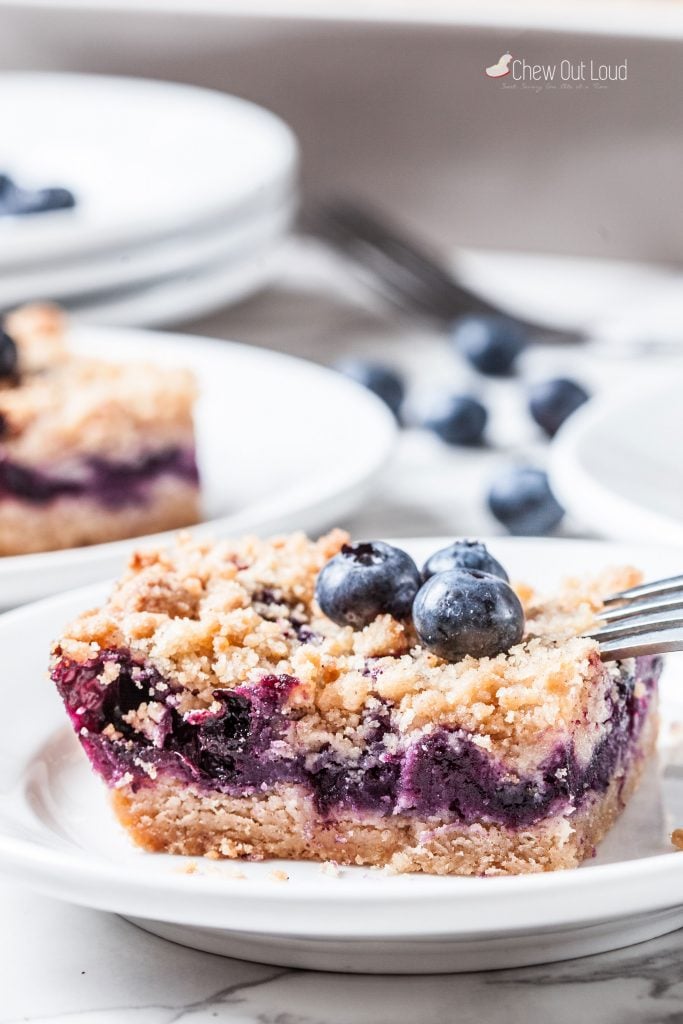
[191, 294]
[146, 160]
[58, 835]
[617, 464]
[282, 443]
[145, 264]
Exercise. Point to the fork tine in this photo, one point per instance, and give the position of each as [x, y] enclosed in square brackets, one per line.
[362, 224]
[659, 641]
[401, 266]
[639, 624]
[645, 589]
[663, 602]
[399, 282]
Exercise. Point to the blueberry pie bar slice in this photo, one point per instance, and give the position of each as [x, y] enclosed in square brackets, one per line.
[231, 717]
[90, 451]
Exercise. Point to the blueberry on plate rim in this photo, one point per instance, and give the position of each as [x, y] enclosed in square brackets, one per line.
[521, 499]
[457, 419]
[382, 380]
[465, 553]
[465, 612]
[367, 579]
[551, 402]
[18, 201]
[488, 342]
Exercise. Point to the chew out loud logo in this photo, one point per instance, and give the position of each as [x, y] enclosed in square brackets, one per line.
[518, 69]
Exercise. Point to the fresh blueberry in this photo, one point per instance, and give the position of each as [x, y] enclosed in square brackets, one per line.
[19, 201]
[384, 382]
[551, 402]
[521, 499]
[16, 201]
[10, 195]
[458, 419]
[490, 343]
[9, 357]
[365, 580]
[53, 199]
[463, 554]
[464, 611]
[6, 185]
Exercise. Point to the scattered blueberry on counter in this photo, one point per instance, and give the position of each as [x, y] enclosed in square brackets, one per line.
[367, 579]
[520, 498]
[17, 201]
[466, 612]
[382, 380]
[490, 343]
[463, 554]
[551, 402]
[457, 420]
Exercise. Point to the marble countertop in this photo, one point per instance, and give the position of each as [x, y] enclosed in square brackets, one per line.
[76, 966]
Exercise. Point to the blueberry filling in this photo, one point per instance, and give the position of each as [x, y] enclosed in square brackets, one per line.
[449, 771]
[246, 746]
[113, 484]
[274, 607]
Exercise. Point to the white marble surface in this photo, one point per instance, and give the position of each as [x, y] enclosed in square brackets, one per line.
[75, 966]
[72, 965]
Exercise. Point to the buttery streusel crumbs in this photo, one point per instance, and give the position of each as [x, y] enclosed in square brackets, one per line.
[223, 615]
[82, 405]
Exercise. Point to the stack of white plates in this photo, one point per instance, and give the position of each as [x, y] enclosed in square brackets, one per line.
[182, 196]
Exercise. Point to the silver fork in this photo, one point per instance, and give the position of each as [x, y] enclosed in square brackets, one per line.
[405, 270]
[647, 619]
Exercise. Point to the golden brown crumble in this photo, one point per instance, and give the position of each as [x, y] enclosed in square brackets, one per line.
[39, 331]
[213, 616]
[66, 405]
[677, 838]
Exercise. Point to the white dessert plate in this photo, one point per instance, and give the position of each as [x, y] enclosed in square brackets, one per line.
[282, 443]
[88, 279]
[186, 296]
[617, 464]
[146, 160]
[58, 835]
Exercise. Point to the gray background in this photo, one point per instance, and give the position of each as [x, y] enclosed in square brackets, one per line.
[405, 115]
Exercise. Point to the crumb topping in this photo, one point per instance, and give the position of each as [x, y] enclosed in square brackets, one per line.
[65, 404]
[216, 616]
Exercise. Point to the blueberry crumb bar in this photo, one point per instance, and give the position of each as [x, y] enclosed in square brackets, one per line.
[90, 451]
[231, 717]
